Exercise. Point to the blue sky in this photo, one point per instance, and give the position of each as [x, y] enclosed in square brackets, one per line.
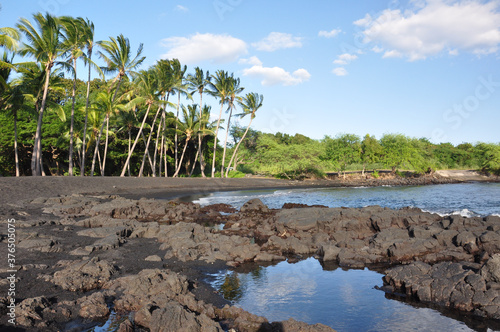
[420, 68]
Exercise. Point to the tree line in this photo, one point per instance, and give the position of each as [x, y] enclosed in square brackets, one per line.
[130, 124]
[298, 156]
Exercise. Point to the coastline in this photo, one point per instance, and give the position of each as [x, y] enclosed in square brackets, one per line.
[124, 237]
[14, 190]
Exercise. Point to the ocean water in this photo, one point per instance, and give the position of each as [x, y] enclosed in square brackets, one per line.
[346, 299]
[468, 199]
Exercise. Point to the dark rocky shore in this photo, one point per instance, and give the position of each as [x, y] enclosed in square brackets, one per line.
[82, 257]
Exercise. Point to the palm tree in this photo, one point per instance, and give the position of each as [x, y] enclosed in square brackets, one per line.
[118, 58]
[46, 47]
[11, 99]
[234, 90]
[147, 84]
[166, 87]
[117, 55]
[190, 127]
[88, 36]
[32, 83]
[127, 120]
[74, 41]
[106, 104]
[179, 87]
[219, 88]
[159, 76]
[9, 38]
[250, 105]
[197, 83]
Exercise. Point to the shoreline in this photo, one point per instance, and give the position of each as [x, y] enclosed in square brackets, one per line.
[13, 190]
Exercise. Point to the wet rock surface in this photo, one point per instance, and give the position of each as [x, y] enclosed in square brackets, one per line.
[87, 256]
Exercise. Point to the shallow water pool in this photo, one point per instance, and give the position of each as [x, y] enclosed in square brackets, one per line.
[346, 300]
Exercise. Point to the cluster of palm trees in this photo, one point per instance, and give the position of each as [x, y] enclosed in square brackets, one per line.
[131, 97]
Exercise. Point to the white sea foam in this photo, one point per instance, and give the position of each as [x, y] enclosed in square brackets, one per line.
[465, 213]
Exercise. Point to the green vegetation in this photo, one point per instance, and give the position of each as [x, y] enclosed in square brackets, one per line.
[296, 157]
[131, 124]
[122, 126]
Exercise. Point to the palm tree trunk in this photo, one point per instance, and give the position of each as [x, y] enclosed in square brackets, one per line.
[238, 145]
[195, 160]
[165, 161]
[41, 163]
[135, 142]
[160, 167]
[82, 171]
[70, 171]
[215, 138]
[202, 167]
[182, 157]
[225, 142]
[16, 156]
[163, 151]
[105, 147]
[129, 141]
[35, 158]
[98, 141]
[156, 149]
[202, 160]
[176, 136]
[146, 150]
[99, 159]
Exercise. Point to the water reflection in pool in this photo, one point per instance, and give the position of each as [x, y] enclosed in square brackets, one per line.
[346, 300]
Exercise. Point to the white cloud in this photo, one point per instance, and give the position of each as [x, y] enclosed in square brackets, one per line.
[274, 75]
[329, 34]
[181, 8]
[254, 61]
[345, 58]
[340, 71]
[392, 54]
[277, 40]
[434, 26]
[204, 47]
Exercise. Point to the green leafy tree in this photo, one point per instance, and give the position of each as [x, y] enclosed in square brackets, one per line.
[11, 101]
[489, 157]
[397, 151]
[370, 151]
[343, 150]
